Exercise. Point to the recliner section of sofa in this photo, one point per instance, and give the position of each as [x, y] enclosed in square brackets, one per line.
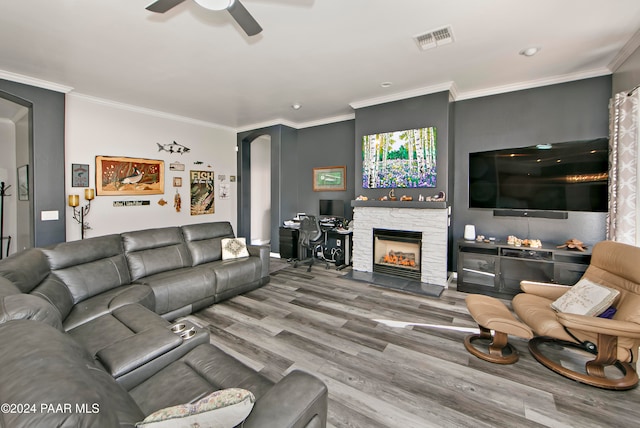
[87, 323]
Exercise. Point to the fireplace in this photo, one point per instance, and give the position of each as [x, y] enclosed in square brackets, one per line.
[397, 252]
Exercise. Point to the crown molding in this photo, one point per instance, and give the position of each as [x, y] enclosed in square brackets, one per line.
[267, 124]
[402, 95]
[327, 120]
[627, 50]
[533, 84]
[149, 112]
[32, 81]
[7, 121]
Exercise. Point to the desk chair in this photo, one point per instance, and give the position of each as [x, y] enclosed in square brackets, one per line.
[310, 237]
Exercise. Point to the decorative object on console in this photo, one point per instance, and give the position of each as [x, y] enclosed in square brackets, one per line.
[129, 176]
[406, 198]
[441, 196]
[80, 213]
[362, 198]
[531, 243]
[220, 409]
[399, 159]
[79, 175]
[469, 232]
[330, 178]
[234, 248]
[574, 244]
[392, 195]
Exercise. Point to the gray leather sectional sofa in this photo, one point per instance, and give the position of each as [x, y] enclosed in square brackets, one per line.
[98, 323]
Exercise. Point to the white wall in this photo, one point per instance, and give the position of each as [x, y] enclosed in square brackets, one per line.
[261, 190]
[97, 127]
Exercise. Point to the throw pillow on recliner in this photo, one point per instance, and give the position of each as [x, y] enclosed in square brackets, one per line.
[226, 408]
[586, 298]
[234, 248]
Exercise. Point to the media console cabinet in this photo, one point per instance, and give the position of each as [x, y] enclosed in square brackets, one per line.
[496, 269]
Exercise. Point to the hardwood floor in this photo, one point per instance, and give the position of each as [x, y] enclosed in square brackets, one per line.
[384, 376]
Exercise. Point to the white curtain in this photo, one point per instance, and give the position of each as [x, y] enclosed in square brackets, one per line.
[624, 134]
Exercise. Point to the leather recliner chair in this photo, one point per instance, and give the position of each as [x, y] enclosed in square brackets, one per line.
[614, 342]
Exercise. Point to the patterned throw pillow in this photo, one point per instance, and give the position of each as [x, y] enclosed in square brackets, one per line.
[220, 409]
[586, 298]
[234, 248]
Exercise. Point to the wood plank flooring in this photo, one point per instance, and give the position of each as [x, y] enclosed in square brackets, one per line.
[383, 376]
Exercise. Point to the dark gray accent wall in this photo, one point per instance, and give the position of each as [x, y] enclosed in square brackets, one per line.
[322, 146]
[294, 154]
[47, 158]
[551, 114]
[417, 112]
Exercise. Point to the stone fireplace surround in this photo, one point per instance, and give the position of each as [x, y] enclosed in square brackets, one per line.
[430, 218]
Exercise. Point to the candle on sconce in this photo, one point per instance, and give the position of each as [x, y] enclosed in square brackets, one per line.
[89, 194]
[74, 200]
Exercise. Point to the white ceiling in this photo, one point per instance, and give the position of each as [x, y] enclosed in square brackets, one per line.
[327, 55]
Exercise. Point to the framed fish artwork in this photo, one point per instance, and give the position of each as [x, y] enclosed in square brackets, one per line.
[118, 176]
[79, 175]
[202, 192]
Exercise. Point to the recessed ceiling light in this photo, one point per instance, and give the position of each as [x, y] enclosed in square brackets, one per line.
[386, 84]
[529, 51]
[296, 106]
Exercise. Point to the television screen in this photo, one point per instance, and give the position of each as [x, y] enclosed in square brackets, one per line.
[571, 176]
[399, 159]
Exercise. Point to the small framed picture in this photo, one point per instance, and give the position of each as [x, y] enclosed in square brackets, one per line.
[79, 175]
[23, 183]
[177, 181]
[329, 178]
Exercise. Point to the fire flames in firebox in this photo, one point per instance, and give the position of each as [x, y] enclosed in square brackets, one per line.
[398, 258]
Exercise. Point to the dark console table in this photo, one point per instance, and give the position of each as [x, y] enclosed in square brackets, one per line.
[496, 269]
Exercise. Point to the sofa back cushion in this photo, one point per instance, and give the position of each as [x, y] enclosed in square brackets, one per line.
[89, 267]
[205, 240]
[153, 251]
[25, 269]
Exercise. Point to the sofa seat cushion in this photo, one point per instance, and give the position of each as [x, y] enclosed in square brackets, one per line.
[58, 372]
[178, 288]
[235, 273]
[113, 327]
[199, 373]
[107, 302]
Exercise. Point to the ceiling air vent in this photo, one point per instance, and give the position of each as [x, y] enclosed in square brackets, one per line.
[434, 38]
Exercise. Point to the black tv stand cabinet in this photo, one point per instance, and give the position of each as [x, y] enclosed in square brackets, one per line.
[496, 269]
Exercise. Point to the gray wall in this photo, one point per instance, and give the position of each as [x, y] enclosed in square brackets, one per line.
[46, 168]
[417, 112]
[565, 112]
[321, 146]
[294, 154]
[627, 76]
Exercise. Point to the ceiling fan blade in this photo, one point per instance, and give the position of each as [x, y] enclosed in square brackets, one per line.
[161, 6]
[244, 18]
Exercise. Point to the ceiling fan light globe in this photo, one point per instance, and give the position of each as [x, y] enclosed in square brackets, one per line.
[215, 4]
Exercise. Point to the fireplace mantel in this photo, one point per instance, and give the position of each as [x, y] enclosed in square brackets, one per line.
[432, 222]
[400, 204]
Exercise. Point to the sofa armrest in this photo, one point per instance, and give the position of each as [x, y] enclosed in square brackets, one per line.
[298, 400]
[261, 251]
[600, 325]
[128, 354]
[544, 289]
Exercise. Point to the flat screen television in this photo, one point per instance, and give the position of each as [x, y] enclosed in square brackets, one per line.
[399, 159]
[570, 176]
[331, 208]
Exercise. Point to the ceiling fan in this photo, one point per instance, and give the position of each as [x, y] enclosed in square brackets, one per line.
[234, 7]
